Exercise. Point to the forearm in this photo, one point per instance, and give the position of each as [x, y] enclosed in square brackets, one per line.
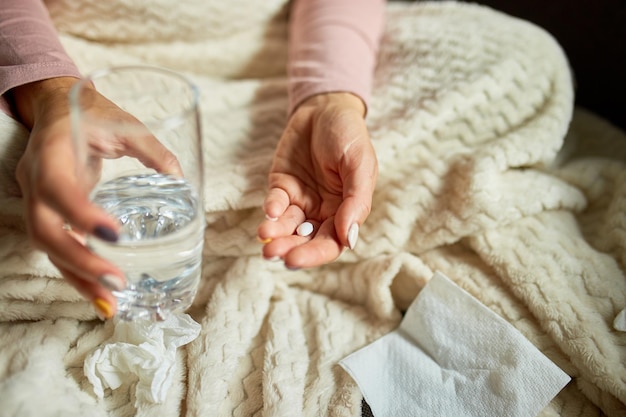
[29, 47]
[332, 47]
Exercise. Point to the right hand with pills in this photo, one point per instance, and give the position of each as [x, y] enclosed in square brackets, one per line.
[324, 172]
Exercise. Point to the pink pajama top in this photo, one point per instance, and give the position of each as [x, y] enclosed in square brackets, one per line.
[332, 47]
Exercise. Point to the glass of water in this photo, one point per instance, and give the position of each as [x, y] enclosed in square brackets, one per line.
[160, 214]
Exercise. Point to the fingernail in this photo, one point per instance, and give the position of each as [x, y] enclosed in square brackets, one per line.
[272, 219]
[103, 308]
[105, 233]
[292, 268]
[273, 258]
[264, 241]
[111, 282]
[353, 235]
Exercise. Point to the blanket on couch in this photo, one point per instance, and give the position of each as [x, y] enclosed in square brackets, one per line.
[487, 174]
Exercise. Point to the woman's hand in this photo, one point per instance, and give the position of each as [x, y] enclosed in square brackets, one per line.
[324, 171]
[57, 207]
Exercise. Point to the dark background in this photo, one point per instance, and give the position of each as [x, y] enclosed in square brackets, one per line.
[593, 35]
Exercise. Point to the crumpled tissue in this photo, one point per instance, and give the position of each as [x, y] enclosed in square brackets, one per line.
[142, 351]
[452, 356]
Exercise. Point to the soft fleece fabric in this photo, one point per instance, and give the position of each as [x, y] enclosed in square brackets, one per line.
[484, 176]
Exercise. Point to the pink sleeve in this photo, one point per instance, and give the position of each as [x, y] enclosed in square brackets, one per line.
[332, 47]
[29, 47]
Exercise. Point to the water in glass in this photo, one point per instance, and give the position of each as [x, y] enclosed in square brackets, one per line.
[160, 242]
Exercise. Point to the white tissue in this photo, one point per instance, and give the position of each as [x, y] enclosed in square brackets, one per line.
[142, 351]
[452, 356]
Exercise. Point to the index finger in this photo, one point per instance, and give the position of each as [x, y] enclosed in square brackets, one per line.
[153, 154]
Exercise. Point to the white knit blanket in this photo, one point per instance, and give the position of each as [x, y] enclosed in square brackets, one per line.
[482, 176]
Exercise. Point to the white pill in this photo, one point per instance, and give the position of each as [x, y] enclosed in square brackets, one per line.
[304, 229]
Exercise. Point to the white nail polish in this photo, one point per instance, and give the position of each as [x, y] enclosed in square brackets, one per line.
[353, 235]
[304, 229]
[273, 259]
[111, 282]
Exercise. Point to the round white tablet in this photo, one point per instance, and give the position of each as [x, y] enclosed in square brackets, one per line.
[304, 229]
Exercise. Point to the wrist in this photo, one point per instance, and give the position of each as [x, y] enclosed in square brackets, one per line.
[32, 99]
[344, 100]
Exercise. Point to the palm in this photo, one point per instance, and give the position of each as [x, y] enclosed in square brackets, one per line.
[309, 176]
[324, 171]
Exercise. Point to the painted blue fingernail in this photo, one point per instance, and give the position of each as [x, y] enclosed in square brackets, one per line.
[105, 233]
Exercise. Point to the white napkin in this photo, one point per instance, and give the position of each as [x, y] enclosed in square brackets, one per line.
[142, 351]
[451, 356]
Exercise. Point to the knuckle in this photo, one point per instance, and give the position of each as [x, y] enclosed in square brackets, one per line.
[169, 159]
[366, 208]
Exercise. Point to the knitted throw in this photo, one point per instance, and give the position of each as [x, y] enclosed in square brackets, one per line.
[484, 175]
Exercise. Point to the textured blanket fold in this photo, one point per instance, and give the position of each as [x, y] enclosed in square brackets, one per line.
[486, 174]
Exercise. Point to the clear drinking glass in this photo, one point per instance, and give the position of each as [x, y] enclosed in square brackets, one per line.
[161, 217]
